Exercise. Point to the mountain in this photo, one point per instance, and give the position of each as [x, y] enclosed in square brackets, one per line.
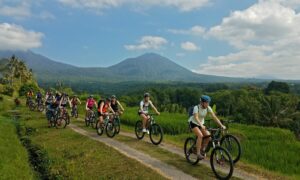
[148, 67]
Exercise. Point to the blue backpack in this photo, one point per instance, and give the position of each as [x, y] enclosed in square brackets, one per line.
[191, 111]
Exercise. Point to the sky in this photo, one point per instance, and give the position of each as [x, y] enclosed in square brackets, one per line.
[248, 38]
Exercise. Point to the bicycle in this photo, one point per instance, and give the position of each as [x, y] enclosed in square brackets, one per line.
[231, 143]
[91, 119]
[31, 105]
[117, 122]
[74, 112]
[65, 115]
[108, 125]
[155, 131]
[220, 159]
[40, 106]
[55, 119]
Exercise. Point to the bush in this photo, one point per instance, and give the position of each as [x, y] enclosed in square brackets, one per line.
[8, 90]
[26, 87]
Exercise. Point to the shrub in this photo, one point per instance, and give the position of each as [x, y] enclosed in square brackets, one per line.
[26, 87]
[8, 90]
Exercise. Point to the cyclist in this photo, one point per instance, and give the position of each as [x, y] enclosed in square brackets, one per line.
[144, 110]
[115, 105]
[51, 105]
[74, 102]
[39, 98]
[29, 96]
[64, 101]
[104, 107]
[196, 122]
[90, 103]
[49, 99]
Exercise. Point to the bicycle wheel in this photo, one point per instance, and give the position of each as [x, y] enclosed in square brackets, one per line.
[139, 130]
[190, 151]
[76, 113]
[156, 134]
[87, 122]
[233, 146]
[32, 106]
[61, 123]
[41, 108]
[221, 163]
[93, 123]
[110, 129]
[99, 128]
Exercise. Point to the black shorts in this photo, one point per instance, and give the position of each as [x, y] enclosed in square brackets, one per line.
[63, 105]
[193, 125]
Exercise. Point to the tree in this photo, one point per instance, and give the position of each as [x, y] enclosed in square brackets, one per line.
[277, 86]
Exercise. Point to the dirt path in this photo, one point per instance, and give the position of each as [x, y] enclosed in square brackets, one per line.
[164, 169]
[237, 172]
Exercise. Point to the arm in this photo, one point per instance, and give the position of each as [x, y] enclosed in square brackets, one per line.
[101, 107]
[111, 109]
[69, 102]
[120, 105]
[86, 105]
[151, 104]
[216, 119]
[141, 106]
[79, 100]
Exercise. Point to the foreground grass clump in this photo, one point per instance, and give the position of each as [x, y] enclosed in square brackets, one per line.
[75, 156]
[14, 162]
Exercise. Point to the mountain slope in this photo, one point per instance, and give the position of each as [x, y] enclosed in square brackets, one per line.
[148, 67]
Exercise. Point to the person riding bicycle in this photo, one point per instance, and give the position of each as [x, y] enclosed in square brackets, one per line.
[104, 107]
[196, 123]
[64, 101]
[75, 101]
[90, 103]
[115, 104]
[29, 96]
[51, 105]
[39, 97]
[144, 110]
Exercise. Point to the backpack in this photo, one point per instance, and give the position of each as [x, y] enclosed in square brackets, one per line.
[191, 111]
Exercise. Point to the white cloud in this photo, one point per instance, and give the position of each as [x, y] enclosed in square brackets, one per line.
[195, 30]
[266, 37]
[19, 10]
[100, 5]
[148, 42]
[14, 37]
[189, 46]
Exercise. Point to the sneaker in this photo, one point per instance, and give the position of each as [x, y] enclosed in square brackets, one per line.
[144, 131]
[200, 156]
[148, 131]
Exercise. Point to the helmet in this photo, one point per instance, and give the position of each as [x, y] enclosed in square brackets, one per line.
[91, 96]
[113, 97]
[205, 98]
[146, 95]
[108, 99]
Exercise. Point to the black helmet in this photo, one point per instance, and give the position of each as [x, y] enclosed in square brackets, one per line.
[91, 96]
[113, 97]
[146, 95]
[108, 99]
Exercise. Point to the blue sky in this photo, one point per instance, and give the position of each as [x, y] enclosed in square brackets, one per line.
[222, 37]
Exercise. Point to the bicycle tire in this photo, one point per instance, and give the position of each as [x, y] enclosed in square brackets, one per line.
[190, 149]
[219, 175]
[227, 141]
[154, 130]
[138, 130]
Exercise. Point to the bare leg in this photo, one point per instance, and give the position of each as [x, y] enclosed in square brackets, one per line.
[144, 120]
[199, 135]
[205, 140]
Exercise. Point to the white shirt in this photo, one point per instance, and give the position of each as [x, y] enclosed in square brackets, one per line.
[144, 106]
[201, 114]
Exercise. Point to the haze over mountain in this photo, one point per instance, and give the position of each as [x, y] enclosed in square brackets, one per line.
[147, 67]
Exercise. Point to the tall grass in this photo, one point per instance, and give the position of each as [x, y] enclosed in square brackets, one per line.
[13, 156]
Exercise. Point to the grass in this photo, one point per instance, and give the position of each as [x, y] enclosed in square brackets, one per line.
[13, 156]
[73, 156]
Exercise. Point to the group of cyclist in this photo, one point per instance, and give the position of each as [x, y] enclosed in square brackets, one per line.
[112, 106]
